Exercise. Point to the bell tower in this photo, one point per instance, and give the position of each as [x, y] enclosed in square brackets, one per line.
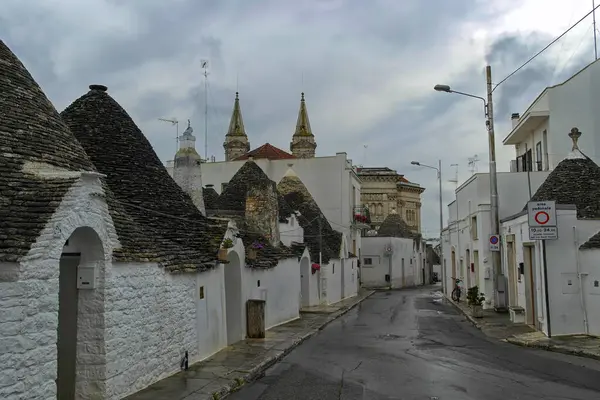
[303, 143]
[236, 141]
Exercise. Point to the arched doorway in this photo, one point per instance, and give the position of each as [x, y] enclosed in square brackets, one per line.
[81, 360]
[233, 299]
[304, 282]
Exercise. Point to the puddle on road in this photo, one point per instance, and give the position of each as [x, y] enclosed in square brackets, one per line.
[390, 336]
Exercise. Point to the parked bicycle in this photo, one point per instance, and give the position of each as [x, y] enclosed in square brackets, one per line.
[457, 291]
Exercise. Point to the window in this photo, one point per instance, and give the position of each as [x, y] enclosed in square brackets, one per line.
[538, 156]
[368, 261]
[201, 292]
[474, 228]
[529, 160]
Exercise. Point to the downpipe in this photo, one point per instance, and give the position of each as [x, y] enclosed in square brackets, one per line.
[581, 297]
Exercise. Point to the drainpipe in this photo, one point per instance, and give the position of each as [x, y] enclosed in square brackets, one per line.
[390, 263]
[581, 298]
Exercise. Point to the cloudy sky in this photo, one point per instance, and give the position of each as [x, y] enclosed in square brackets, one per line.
[367, 67]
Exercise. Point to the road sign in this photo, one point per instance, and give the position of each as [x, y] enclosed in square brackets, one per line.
[543, 233]
[494, 243]
[542, 220]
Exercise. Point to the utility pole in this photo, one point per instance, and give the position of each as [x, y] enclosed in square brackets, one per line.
[205, 73]
[441, 223]
[173, 121]
[594, 18]
[498, 278]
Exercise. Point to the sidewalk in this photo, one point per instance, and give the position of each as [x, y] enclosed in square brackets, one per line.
[498, 326]
[230, 368]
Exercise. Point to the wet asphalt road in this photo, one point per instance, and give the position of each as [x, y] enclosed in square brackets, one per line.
[408, 345]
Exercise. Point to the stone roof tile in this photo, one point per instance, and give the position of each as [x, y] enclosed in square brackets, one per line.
[232, 204]
[299, 198]
[155, 219]
[395, 226]
[33, 137]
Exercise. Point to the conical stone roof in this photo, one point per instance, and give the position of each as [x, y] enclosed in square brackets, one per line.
[232, 203]
[575, 180]
[299, 199]
[394, 226]
[33, 140]
[154, 218]
[211, 199]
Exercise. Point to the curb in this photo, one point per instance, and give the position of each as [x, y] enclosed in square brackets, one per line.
[257, 371]
[470, 318]
[531, 345]
[553, 348]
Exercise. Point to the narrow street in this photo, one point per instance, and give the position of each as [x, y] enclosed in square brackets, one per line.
[408, 345]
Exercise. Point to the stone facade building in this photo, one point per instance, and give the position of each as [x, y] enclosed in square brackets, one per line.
[384, 190]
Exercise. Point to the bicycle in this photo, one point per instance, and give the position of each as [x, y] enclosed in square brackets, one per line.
[457, 291]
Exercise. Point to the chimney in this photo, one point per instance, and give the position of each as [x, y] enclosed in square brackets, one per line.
[515, 119]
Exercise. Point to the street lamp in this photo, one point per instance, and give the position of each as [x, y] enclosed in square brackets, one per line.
[488, 106]
[439, 176]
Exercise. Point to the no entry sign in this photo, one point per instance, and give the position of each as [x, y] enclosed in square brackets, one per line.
[542, 220]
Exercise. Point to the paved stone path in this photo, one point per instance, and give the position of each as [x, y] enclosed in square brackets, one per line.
[244, 361]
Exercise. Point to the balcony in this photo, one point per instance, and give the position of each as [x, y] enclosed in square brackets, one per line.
[361, 218]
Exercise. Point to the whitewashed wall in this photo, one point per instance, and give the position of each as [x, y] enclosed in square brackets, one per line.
[29, 301]
[291, 231]
[153, 317]
[279, 286]
[402, 254]
[350, 277]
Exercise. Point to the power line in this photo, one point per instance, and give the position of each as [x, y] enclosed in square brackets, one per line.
[545, 48]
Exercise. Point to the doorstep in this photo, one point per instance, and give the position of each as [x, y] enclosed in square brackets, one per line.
[244, 361]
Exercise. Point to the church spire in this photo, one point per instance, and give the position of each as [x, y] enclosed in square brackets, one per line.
[303, 142]
[236, 141]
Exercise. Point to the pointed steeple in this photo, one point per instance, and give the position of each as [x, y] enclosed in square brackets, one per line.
[303, 141]
[236, 141]
[236, 125]
[303, 123]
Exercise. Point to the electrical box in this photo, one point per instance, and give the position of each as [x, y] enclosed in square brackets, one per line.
[487, 273]
[569, 283]
[594, 285]
[521, 268]
[86, 277]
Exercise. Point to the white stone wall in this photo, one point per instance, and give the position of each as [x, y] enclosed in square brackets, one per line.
[279, 286]
[401, 262]
[29, 304]
[152, 318]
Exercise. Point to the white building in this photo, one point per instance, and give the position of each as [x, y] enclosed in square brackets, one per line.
[538, 134]
[465, 248]
[331, 180]
[554, 283]
[394, 258]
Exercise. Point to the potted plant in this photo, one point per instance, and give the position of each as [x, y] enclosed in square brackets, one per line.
[315, 267]
[225, 245]
[475, 300]
[253, 250]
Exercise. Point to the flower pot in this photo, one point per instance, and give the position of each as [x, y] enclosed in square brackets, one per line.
[252, 254]
[222, 254]
[477, 311]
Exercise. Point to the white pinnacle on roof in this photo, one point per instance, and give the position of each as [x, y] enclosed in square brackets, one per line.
[575, 151]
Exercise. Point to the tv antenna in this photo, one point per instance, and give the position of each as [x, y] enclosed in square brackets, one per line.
[473, 164]
[455, 179]
[173, 121]
[204, 64]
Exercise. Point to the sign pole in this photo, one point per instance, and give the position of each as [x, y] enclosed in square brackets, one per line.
[547, 298]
